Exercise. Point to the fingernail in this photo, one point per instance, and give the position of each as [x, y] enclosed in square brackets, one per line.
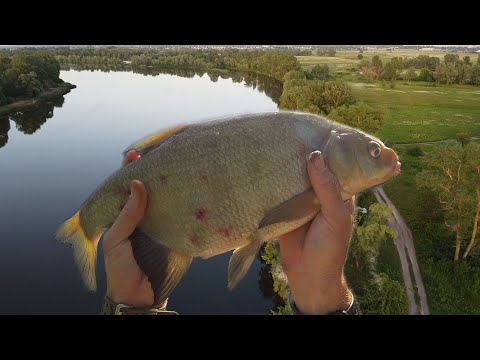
[317, 159]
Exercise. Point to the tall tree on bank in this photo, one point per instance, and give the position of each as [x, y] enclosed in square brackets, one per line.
[472, 151]
[453, 172]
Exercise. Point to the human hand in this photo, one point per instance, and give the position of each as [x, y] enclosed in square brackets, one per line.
[313, 255]
[126, 282]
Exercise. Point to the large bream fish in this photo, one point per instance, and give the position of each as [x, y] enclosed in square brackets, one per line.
[226, 184]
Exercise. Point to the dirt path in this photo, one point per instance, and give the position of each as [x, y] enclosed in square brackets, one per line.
[472, 138]
[406, 250]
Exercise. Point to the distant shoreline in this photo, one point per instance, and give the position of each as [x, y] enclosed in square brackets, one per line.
[60, 90]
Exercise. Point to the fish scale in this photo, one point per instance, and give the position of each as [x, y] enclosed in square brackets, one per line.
[226, 184]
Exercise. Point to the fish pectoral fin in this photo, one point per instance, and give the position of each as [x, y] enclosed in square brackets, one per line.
[298, 207]
[240, 261]
[151, 142]
[163, 266]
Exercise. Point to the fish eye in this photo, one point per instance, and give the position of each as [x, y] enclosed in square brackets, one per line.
[374, 149]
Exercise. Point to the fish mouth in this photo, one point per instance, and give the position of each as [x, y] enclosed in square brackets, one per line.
[397, 168]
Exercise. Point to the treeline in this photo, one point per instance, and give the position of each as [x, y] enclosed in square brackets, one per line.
[329, 98]
[310, 91]
[25, 75]
[268, 85]
[452, 70]
[326, 52]
[271, 63]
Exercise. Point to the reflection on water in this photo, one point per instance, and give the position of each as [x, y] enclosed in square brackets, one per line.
[82, 146]
[28, 121]
[271, 87]
[4, 127]
[265, 283]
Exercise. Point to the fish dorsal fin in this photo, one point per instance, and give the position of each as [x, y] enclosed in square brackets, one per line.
[151, 142]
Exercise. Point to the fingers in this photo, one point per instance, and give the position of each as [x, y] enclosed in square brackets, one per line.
[326, 186]
[129, 217]
[350, 205]
[291, 246]
[130, 156]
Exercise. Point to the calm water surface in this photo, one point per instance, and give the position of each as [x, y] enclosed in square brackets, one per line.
[53, 157]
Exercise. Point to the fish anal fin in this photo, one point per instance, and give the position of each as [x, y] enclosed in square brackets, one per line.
[241, 260]
[151, 142]
[163, 266]
[298, 207]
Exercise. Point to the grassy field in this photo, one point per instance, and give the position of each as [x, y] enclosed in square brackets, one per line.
[415, 111]
[344, 63]
[346, 58]
[418, 112]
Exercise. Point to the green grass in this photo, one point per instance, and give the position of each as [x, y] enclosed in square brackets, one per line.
[345, 58]
[417, 112]
[414, 111]
[451, 288]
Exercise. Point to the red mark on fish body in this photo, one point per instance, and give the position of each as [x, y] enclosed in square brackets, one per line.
[226, 231]
[204, 178]
[194, 239]
[200, 214]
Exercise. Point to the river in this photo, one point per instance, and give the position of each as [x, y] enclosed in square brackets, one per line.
[54, 156]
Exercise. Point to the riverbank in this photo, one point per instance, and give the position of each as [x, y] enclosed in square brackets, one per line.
[62, 89]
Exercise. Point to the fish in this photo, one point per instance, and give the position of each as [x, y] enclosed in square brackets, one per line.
[226, 184]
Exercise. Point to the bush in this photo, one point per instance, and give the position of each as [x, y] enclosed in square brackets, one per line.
[463, 138]
[359, 115]
[384, 297]
[415, 151]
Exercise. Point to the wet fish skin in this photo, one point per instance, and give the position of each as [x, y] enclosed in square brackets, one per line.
[212, 184]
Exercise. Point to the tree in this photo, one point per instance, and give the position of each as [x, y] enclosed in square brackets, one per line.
[472, 159]
[467, 60]
[478, 59]
[335, 94]
[360, 56]
[29, 85]
[389, 73]
[464, 71]
[393, 68]
[451, 73]
[377, 66]
[452, 171]
[451, 58]
[475, 74]
[369, 234]
[426, 75]
[410, 74]
[446, 73]
[319, 72]
[302, 94]
[294, 75]
[397, 63]
[359, 115]
[367, 71]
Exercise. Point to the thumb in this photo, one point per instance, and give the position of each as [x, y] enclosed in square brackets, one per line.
[130, 216]
[326, 186]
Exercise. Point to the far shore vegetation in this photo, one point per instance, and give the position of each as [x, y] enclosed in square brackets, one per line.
[26, 77]
[424, 104]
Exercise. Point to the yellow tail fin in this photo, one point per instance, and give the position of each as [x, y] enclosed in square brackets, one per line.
[84, 248]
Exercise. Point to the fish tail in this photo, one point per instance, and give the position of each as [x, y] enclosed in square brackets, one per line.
[84, 246]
